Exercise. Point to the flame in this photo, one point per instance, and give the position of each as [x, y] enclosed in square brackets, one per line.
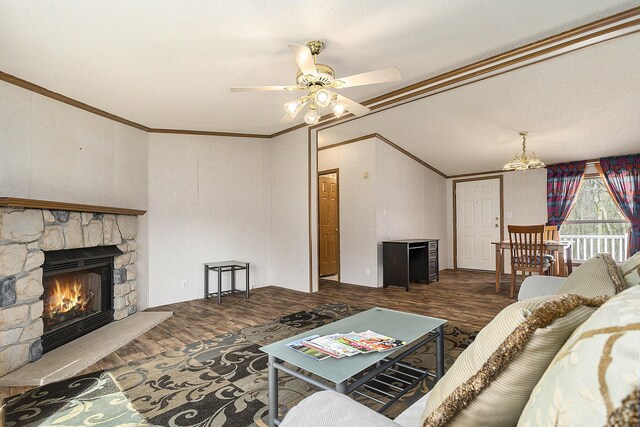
[66, 296]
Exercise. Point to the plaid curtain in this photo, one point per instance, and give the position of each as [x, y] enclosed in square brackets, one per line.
[622, 175]
[563, 182]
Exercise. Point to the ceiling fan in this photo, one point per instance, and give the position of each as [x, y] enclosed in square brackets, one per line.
[317, 80]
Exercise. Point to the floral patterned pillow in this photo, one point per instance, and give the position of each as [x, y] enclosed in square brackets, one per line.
[631, 270]
[591, 379]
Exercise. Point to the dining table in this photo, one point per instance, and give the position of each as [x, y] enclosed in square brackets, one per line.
[562, 267]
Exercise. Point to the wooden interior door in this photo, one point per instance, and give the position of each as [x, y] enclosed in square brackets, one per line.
[328, 223]
[478, 223]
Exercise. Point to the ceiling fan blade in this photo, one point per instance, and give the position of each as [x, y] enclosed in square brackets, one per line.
[262, 88]
[372, 77]
[304, 59]
[287, 118]
[353, 106]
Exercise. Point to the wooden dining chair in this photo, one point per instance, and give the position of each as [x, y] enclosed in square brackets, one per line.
[527, 252]
[551, 233]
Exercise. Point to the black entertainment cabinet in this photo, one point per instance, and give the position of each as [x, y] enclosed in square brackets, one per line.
[414, 260]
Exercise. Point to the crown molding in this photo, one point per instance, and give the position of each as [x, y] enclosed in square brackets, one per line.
[590, 34]
[465, 175]
[348, 141]
[388, 142]
[416, 158]
[578, 37]
[291, 129]
[209, 133]
[8, 78]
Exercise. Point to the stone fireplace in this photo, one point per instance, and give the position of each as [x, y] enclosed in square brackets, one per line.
[62, 274]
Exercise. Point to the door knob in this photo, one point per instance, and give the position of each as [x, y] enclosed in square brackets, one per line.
[497, 225]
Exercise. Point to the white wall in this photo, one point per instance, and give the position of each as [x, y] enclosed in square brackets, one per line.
[525, 202]
[52, 151]
[400, 199]
[206, 200]
[358, 239]
[288, 208]
[220, 198]
[411, 202]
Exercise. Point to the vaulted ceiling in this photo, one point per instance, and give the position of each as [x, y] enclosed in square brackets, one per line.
[169, 64]
[581, 105]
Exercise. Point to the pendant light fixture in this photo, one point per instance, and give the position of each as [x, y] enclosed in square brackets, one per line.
[523, 161]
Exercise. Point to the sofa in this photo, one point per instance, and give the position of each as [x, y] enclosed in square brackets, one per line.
[544, 360]
[538, 286]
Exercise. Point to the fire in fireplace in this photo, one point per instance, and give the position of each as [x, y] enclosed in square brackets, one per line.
[71, 296]
[78, 293]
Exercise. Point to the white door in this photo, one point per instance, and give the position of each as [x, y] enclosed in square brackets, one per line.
[477, 223]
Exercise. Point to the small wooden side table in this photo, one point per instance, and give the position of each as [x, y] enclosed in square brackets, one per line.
[224, 267]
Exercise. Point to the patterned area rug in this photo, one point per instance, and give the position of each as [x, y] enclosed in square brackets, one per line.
[217, 382]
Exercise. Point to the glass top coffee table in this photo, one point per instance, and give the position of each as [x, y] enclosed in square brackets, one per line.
[382, 369]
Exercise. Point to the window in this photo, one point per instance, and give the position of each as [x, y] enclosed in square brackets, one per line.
[595, 223]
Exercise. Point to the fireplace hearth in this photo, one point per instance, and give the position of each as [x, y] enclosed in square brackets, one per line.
[78, 293]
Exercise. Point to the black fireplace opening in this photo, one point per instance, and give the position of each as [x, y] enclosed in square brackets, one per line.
[78, 293]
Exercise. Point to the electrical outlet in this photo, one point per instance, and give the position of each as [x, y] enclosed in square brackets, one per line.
[367, 272]
[184, 284]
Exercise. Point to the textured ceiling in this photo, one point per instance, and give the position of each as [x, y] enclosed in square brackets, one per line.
[169, 64]
[581, 105]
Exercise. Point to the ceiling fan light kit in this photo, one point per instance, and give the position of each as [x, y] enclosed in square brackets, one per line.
[523, 160]
[338, 108]
[312, 117]
[318, 80]
[323, 98]
[293, 107]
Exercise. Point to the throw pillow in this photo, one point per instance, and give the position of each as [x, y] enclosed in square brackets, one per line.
[491, 381]
[628, 414]
[593, 378]
[598, 275]
[630, 270]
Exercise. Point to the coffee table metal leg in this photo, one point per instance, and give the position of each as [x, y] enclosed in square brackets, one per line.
[341, 387]
[440, 353]
[273, 391]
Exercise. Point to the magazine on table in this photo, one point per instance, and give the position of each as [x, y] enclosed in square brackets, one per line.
[308, 351]
[331, 345]
[379, 342]
[355, 341]
[344, 345]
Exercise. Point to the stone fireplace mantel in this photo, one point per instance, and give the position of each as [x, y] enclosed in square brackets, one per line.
[14, 202]
[29, 228]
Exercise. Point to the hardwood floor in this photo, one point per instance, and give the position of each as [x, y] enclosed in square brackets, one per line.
[465, 298]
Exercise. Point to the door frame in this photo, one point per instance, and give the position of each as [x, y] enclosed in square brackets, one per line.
[320, 173]
[455, 211]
